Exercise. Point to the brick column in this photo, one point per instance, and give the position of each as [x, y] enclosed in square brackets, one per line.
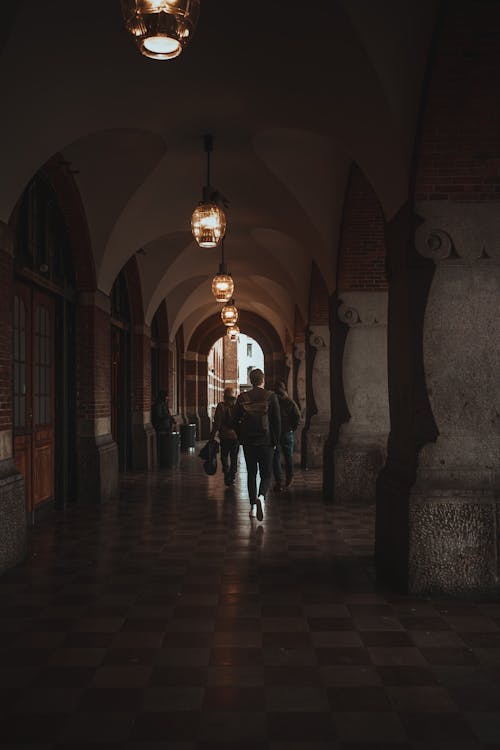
[12, 496]
[191, 389]
[144, 454]
[438, 495]
[202, 394]
[317, 427]
[360, 347]
[97, 451]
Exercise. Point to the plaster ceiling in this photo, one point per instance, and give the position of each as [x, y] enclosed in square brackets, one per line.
[292, 92]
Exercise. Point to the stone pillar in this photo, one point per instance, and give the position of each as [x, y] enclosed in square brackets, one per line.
[318, 423]
[97, 451]
[12, 495]
[202, 377]
[191, 389]
[144, 454]
[299, 392]
[360, 451]
[454, 503]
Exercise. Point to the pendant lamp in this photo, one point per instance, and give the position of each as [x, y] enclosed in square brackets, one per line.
[161, 28]
[208, 222]
[222, 283]
[233, 332]
[229, 314]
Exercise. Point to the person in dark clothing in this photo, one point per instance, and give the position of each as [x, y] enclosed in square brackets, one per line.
[161, 418]
[229, 445]
[290, 418]
[257, 415]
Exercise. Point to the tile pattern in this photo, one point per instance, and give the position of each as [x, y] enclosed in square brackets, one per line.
[170, 620]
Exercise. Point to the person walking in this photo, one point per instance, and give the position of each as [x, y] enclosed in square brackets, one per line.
[257, 416]
[290, 419]
[229, 445]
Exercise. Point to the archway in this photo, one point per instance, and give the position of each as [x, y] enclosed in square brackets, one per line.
[196, 361]
[229, 365]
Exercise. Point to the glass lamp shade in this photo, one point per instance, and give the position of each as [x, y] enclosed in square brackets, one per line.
[208, 224]
[161, 28]
[222, 287]
[233, 332]
[229, 314]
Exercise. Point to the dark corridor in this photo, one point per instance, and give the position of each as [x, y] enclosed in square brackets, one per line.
[170, 619]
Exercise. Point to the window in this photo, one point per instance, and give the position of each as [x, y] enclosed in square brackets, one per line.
[249, 350]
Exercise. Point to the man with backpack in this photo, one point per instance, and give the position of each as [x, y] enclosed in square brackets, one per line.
[229, 445]
[257, 415]
[290, 419]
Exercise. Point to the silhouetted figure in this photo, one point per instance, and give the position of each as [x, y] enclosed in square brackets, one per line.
[161, 419]
[290, 419]
[229, 444]
[257, 415]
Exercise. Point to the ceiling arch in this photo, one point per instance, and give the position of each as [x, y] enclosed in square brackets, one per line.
[286, 129]
[209, 331]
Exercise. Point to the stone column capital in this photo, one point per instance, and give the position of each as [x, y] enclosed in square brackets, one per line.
[454, 231]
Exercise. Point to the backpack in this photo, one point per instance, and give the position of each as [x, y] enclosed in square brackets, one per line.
[255, 420]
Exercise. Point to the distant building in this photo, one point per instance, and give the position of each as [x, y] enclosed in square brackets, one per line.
[250, 356]
[222, 371]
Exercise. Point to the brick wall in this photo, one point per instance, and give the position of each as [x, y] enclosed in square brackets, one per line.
[230, 363]
[141, 372]
[299, 327]
[459, 156]
[319, 305]
[6, 278]
[94, 361]
[362, 244]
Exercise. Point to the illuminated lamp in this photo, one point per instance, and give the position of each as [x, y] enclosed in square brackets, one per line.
[161, 28]
[208, 222]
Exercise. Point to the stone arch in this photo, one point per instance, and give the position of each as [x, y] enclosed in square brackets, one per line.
[196, 354]
[58, 174]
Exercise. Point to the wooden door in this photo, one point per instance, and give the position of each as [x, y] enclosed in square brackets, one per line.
[22, 400]
[34, 369]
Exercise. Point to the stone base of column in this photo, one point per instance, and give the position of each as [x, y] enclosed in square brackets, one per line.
[356, 468]
[314, 440]
[97, 469]
[144, 448]
[453, 542]
[12, 516]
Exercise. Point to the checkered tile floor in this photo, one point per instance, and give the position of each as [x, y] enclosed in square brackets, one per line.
[170, 620]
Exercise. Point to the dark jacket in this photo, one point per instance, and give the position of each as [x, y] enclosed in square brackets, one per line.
[161, 418]
[270, 431]
[224, 420]
[290, 413]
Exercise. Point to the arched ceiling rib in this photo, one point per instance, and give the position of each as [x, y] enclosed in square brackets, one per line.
[286, 129]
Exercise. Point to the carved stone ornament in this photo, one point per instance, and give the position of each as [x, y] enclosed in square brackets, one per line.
[318, 342]
[348, 315]
[458, 230]
[299, 352]
[435, 244]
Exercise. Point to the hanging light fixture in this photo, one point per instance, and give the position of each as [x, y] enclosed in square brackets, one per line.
[229, 314]
[208, 222]
[161, 28]
[233, 332]
[222, 284]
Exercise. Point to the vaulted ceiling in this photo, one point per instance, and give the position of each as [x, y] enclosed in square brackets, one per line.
[293, 92]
